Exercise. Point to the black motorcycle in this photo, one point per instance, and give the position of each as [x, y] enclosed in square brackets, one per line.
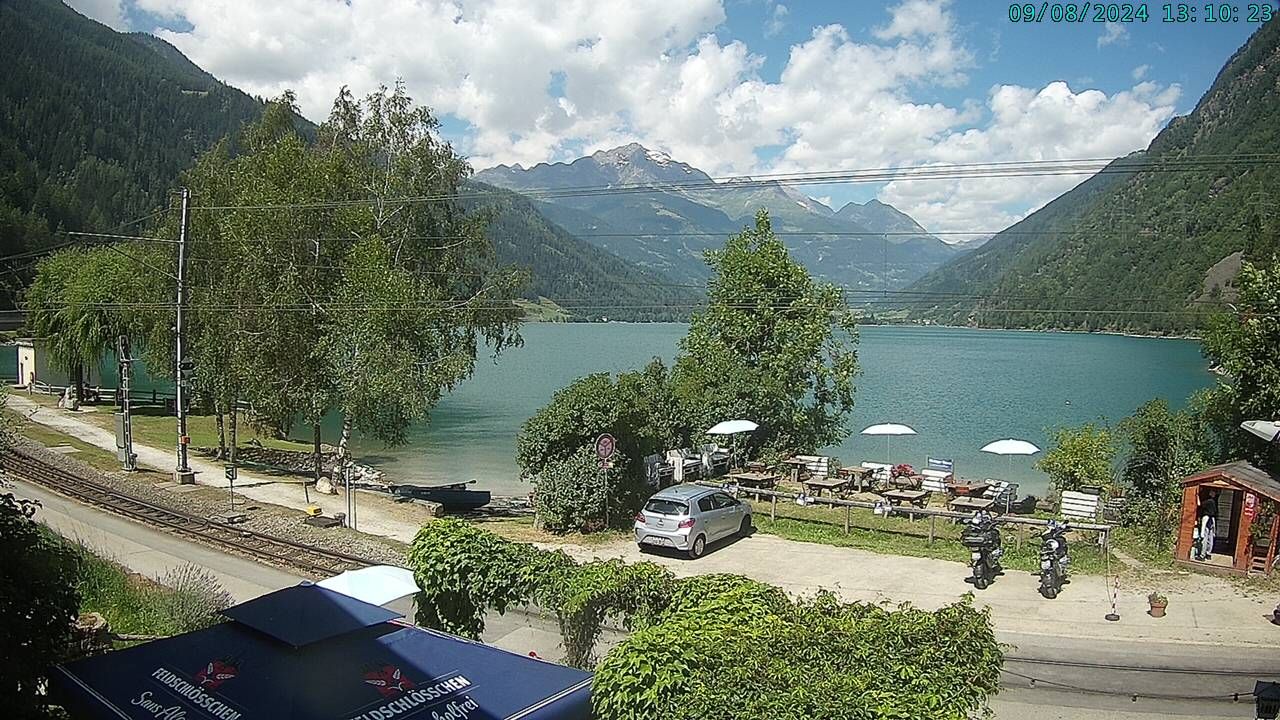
[982, 537]
[1053, 559]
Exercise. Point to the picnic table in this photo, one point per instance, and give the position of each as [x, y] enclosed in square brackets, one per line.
[970, 504]
[862, 477]
[970, 488]
[754, 478]
[832, 485]
[910, 497]
[797, 466]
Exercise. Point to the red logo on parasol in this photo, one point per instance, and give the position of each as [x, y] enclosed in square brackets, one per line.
[216, 673]
[389, 681]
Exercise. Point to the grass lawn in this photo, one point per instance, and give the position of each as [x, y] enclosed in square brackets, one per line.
[899, 536]
[153, 427]
[521, 529]
[136, 605]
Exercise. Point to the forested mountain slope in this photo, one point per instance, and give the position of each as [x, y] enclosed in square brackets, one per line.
[1130, 251]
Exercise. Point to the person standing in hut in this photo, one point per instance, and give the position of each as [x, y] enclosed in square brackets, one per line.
[1206, 520]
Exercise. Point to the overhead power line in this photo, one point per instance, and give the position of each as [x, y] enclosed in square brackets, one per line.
[873, 175]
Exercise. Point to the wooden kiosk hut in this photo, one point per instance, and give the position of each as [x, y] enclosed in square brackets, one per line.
[1246, 500]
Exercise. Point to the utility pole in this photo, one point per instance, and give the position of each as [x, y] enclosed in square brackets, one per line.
[182, 474]
[125, 432]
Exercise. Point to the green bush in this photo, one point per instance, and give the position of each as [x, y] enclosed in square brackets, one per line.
[555, 447]
[634, 594]
[38, 602]
[464, 570]
[731, 658]
[577, 495]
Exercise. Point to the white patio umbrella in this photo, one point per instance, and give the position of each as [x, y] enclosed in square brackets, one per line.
[733, 428]
[1266, 429]
[888, 430]
[1009, 448]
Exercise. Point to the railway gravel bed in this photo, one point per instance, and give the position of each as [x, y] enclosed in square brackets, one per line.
[206, 504]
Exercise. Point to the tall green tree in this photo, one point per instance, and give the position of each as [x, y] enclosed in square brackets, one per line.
[419, 285]
[773, 346]
[1245, 345]
[1163, 449]
[1080, 457]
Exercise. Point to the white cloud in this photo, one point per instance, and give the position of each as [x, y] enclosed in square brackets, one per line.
[1113, 33]
[658, 72]
[1053, 123]
[777, 20]
[107, 12]
[1140, 72]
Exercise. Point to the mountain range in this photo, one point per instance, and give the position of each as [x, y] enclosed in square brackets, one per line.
[1153, 249]
[646, 207]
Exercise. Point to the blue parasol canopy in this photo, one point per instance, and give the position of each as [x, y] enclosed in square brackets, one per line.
[263, 664]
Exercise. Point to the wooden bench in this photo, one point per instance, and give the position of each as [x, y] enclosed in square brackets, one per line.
[833, 485]
[970, 504]
[1079, 506]
[910, 497]
[812, 466]
[861, 477]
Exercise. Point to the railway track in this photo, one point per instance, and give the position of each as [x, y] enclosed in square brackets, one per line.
[259, 546]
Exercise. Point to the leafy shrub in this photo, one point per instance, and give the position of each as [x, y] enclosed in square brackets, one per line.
[577, 495]
[693, 592]
[464, 570]
[635, 594]
[555, 446]
[730, 659]
[38, 602]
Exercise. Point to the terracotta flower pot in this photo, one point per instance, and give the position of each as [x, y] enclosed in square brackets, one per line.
[1157, 608]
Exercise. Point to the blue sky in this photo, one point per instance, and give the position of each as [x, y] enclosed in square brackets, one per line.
[730, 86]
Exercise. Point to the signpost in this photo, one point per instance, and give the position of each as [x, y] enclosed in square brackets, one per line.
[605, 447]
[231, 473]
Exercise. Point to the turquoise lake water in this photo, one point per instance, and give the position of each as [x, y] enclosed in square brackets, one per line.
[958, 388]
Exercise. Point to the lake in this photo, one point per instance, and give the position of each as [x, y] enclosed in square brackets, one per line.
[958, 388]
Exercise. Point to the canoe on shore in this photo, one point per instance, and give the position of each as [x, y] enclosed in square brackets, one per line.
[455, 497]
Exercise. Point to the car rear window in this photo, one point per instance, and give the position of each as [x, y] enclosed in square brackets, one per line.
[659, 506]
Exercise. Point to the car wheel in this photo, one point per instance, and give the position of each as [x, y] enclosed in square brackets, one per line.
[698, 547]
[745, 528]
[981, 582]
[1049, 592]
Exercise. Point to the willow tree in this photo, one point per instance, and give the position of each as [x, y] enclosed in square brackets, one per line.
[772, 345]
[76, 307]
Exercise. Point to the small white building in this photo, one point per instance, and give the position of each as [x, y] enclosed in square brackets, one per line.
[34, 367]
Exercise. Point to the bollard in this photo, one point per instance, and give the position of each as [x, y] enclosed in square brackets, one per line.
[773, 507]
[933, 521]
[847, 511]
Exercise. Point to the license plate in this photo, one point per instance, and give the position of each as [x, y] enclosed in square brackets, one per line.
[652, 540]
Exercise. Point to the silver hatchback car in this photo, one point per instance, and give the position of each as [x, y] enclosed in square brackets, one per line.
[689, 517]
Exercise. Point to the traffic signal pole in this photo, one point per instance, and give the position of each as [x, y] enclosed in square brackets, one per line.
[182, 473]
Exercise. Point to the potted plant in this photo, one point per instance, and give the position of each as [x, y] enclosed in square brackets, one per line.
[1158, 603]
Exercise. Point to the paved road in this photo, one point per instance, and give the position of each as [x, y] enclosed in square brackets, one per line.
[152, 552]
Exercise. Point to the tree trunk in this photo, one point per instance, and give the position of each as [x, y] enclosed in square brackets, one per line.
[315, 449]
[222, 433]
[235, 412]
[79, 381]
[346, 438]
